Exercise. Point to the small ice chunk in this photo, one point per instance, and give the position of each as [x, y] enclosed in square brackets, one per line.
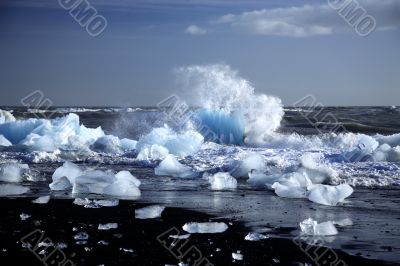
[12, 172]
[170, 166]
[237, 256]
[81, 236]
[149, 212]
[329, 195]
[24, 216]
[108, 226]
[289, 192]
[344, 222]
[311, 227]
[255, 237]
[107, 203]
[222, 181]
[42, 200]
[179, 236]
[205, 228]
[12, 190]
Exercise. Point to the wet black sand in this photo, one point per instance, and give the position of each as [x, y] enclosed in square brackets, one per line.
[138, 242]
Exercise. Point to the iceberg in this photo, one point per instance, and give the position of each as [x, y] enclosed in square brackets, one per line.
[170, 166]
[205, 228]
[69, 171]
[128, 144]
[222, 181]
[313, 228]
[150, 212]
[93, 181]
[49, 135]
[12, 172]
[329, 195]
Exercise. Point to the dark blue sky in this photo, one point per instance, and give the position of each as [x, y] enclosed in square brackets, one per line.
[285, 48]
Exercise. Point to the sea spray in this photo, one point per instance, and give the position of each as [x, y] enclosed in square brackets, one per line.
[220, 90]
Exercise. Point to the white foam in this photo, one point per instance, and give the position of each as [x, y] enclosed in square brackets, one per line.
[149, 212]
[219, 88]
[170, 166]
[312, 227]
[222, 181]
[6, 116]
[205, 228]
[253, 162]
[153, 152]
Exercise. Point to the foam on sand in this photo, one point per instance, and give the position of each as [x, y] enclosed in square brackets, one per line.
[205, 228]
[222, 181]
[170, 166]
[149, 212]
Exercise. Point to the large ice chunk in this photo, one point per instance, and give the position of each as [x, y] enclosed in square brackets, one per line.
[12, 190]
[69, 170]
[93, 181]
[170, 166]
[292, 185]
[313, 228]
[12, 172]
[107, 144]
[153, 152]
[205, 228]
[222, 181]
[149, 212]
[329, 195]
[126, 185]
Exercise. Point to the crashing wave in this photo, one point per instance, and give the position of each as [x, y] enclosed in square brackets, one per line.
[233, 110]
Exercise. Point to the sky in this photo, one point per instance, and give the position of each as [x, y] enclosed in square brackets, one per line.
[286, 48]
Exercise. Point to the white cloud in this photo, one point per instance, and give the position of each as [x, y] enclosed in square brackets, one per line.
[311, 20]
[195, 30]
